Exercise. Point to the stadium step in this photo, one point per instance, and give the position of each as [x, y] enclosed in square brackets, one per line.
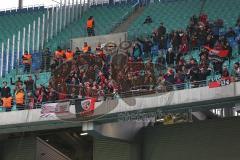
[123, 27]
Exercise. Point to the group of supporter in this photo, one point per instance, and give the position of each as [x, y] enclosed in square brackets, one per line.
[99, 72]
[18, 95]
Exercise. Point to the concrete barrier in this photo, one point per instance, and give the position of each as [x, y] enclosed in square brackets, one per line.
[117, 38]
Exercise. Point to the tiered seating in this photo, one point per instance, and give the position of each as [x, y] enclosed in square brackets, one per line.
[42, 79]
[14, 21]
[174, 15]
[106, 17]
[226, 10]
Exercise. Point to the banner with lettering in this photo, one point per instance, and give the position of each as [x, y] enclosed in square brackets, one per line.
[52, 109]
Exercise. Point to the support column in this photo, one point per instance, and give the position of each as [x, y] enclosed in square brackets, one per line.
[20, 4]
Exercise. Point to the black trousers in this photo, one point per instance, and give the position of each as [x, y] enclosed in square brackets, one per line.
[20, 107]
[27, 68]
[91, 32]
[8, 109]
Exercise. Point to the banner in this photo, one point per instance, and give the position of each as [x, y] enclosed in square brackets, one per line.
[52, 109]
[215, 58]
[225, 81]
[214, 84]
[85, 106]
[219, 53]
[219, 83]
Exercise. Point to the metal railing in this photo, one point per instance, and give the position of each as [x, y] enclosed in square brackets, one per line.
[24, 7]
[33, 36]
[145, 90]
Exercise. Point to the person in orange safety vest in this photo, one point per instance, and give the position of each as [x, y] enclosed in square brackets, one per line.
[69, 54]
[6, 98]
[27, 61]
[86, 48]
[7, 103]
[59, 54]
[90, 26]
[20, 99]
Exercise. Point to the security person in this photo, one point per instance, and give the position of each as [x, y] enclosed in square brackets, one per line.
[7, 103]
[90, 26]
[59, 54]
[27, 61]
[69, 54]
[86, 48]
[20, 99]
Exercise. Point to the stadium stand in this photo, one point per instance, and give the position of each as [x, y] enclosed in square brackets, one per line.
[174, 15]
[16, 20]
[149, 97]
[186, 51]
[225, 10]
[107, 17]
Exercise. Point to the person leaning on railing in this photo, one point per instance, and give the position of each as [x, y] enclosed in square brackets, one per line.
[30, 101]
[59, 55]
[6, 98]
[69, 54]
[20, 99]
[86, 48]
[17, 84]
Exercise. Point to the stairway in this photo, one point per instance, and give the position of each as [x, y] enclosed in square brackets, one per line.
[203, 2]
[123, 27]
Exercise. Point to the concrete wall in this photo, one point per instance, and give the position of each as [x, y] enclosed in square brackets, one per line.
[18, 149]
[28, 148]
[208, 140]
[112, 149]
[169, 99]
[117, 38]
[46, 152]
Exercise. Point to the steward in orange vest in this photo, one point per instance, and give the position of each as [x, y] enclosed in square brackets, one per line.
[59, 54]
[90, 26]
[27, 61]
[20, 99]
[69, 54]
[99, 51]
[7, 103]
[86, 48]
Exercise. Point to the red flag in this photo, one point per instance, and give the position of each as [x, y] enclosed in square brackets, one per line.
[214, 84]
[223, 53]
[85, 107]
[220, 53]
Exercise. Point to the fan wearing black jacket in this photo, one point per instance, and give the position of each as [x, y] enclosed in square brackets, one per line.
[147, 45]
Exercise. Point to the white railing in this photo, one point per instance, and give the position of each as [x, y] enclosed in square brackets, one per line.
[24, 7]
[34, 35]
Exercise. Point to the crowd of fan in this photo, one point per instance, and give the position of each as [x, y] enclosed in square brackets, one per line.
[101, 73]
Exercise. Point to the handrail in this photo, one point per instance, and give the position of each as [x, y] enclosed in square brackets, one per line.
[132, 93]
[24, 7]
[125, 15]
